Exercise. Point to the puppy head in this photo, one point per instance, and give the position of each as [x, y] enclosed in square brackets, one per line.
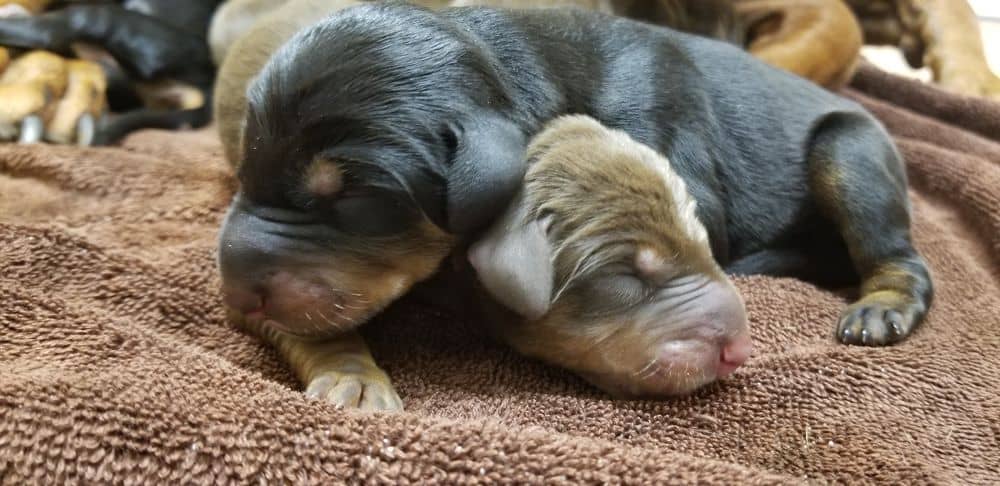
[603, 257]
[373, 139]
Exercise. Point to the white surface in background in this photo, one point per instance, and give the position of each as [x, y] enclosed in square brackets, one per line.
[986, 8]
[890, 59]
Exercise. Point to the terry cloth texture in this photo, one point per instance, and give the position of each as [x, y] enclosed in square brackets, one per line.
[116, 364]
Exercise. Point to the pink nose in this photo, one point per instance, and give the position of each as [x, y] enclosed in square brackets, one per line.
[242, 300]
[734, 354]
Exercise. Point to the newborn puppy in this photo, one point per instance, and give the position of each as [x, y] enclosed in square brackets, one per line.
[602, 256]
[379, 138]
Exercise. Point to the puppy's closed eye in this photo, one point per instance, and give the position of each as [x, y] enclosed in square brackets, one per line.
[615, 292]
[369, 213]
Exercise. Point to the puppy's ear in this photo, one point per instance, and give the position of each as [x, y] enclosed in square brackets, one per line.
[487, 168]
[513, 261]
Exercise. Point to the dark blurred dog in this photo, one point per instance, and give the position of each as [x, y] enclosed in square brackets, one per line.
[154, 51]
[379, 138]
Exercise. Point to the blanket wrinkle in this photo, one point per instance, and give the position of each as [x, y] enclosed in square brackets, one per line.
[117, 364]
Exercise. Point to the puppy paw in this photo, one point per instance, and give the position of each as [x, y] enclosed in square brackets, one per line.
[46, 97]
[878, 320]
[77, 112]
[979, 82]
[355, 385]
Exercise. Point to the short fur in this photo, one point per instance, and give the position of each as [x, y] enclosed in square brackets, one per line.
[606, 269]
[427, 115]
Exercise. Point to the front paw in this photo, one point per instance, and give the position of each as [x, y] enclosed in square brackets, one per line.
[354, 384]
[878, 319]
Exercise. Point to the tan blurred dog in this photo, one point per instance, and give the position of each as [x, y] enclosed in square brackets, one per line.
[817, 39]
[942, 35]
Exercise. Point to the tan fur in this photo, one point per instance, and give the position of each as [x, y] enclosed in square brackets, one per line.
[943, 35]
[599, 5]
[323, 178]
[605, 187]
[84, 96]
[613, 206]
[169, 94]
[233, 19]
[38, 67]
[28, 7]
[817, 39]
[20, 100]
[27, 87]
[340, 370]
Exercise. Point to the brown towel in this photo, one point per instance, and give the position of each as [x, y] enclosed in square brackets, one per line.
[116, 363]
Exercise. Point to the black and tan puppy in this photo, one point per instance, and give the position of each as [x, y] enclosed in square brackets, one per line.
[603, 260]
[381, 136]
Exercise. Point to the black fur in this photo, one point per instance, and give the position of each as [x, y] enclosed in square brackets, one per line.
[383, 85]
[391, 90]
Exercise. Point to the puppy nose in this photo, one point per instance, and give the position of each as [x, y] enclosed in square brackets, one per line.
[734, 353]
[243, 300]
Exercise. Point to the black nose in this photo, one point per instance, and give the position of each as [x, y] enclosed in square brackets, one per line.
[248, 245]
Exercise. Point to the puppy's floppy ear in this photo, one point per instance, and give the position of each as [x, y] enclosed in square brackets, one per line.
[513, 261]
[486, 169]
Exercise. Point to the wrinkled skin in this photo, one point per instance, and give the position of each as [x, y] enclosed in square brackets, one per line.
[607, 270]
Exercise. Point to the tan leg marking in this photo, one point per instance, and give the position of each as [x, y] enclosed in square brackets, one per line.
[340, 370]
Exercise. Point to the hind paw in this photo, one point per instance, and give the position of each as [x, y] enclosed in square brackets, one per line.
[878, 320]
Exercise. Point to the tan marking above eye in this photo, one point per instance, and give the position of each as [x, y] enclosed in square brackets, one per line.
[324, 177]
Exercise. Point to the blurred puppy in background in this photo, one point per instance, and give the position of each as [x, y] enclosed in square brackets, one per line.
[144, 61]
[943, 35]
[819, 40]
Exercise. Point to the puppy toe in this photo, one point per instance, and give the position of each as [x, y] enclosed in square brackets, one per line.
[876, 322]
[354, 387]
[74, 120]
[86, 127]
[380, 396]
[32, 129]
[346, 393]
[20, 108]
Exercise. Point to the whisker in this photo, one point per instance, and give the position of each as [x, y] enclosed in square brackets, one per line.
[644, 368]
[327, 319]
